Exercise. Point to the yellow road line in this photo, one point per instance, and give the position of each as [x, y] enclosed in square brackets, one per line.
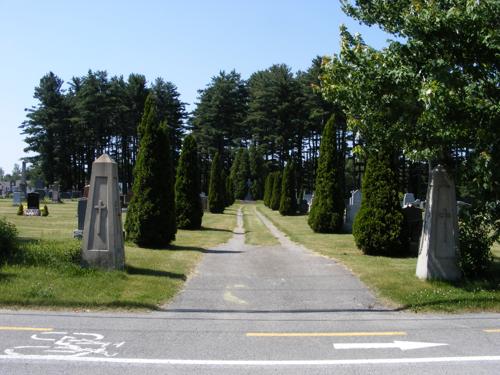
[8, 328]
[322, 334]
[496, 330]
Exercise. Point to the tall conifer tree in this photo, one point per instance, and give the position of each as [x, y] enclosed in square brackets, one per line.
[276, 193]
[188, 187]
[151, 214]
[327, 210]
[288, 200]
[216, 189]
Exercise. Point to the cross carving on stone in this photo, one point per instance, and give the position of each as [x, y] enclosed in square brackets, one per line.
[445, 214]
[100, 206]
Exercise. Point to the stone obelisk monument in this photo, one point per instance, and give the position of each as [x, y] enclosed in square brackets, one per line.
[438, 250]
[103, 234]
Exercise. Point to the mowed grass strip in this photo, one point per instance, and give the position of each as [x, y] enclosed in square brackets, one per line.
[256, 233]
[46, 271]
[393, 279]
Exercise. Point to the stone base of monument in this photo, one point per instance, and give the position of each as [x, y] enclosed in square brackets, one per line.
[32, 212]
[78, 234]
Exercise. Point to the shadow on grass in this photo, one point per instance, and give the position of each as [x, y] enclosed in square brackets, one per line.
[451, 304]
[128, 305]
[149, 272]
[203, 229]
[6, 276]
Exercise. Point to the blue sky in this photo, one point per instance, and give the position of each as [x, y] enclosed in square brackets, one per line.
[185, 42]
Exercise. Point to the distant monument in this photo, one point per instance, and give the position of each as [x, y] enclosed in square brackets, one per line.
[102, 232]
[438, 250]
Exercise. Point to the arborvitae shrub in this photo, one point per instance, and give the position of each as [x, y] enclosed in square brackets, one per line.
[45, 211]
[276, 193]
[257, 173]
[327, 210]
[240, 173]
[378, 228]
[8, 239]
[268, 187]
[151, 213]
[188, 187]
[20, 210]
[288, 200]
[216, 194]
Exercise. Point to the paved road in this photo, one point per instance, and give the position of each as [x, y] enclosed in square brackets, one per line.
[254, 310]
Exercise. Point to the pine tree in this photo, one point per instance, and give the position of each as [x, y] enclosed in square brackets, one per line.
[257, 173]
[327, 210]
[240, 173]
[288, 200]
[268, 187]
[216, 199]
[378, 228]
[188, 206]
[276, 193]
[151, 213]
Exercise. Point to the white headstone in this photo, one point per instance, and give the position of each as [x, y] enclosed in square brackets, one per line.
[438, 250]
[352, 209]
[408, 199]
[102, 233]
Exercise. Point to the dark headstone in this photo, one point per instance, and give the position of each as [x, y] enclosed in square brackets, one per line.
[82, 207]
[413, 222]
[33, 201]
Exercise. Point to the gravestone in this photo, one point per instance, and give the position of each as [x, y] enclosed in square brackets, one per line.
[352, 209]
[462, 204]
[438, 250]
[308, 198]
[413, 222]
[55, 193]
[204, 201]
[80, 212]
[86, 191]
[102, 245]
[408, 199]
[16, 198]
[39, 184]
[33, 205]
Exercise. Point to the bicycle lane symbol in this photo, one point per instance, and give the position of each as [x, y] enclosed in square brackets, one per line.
[62, 343]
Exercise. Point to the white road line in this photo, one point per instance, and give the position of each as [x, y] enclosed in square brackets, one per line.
[202, 362]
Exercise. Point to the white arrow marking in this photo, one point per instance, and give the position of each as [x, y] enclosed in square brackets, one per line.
[403, 345]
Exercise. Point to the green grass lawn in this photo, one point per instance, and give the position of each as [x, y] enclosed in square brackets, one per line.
[46, 272]
[393, 279]
[256, 233]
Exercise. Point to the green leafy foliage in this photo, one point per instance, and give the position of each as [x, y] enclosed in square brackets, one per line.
[476, 237]
[327, 210]
[216, 190]
[189, 210]
[45, 210]
[276, 192]
[288, 201]
[8, 239]
[150, 218]
[378, 228]
[20, 210]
